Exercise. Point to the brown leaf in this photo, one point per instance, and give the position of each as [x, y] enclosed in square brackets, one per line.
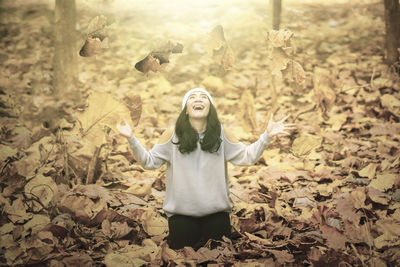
[280, 38]
[93, 46]
[149, 63]
[282, 256]
[249, 119]
[81, 259]
[134, 104]
[16, 212]
[219, 49]
[334, 238]
[377, 196]
[345, 208]
[385, 181]
[294, 73]
[216, 39]
[155, 60]
[111, 216]
[153, 223]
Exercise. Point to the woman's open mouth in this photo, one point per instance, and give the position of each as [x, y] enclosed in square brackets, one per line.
[198, 107]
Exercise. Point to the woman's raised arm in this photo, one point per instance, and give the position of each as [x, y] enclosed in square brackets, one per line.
[152, 159]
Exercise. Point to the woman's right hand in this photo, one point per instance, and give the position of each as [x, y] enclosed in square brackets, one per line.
[125, 130]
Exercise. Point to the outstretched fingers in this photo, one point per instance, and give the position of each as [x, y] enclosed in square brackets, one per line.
[283, 133]
[285, 118]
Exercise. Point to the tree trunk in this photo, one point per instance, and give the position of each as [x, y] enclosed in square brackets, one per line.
[392, 22]
[65, 55]
[275, 7]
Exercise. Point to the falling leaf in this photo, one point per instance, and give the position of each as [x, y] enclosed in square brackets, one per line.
[103, 110]
[279, 61]
[216, 39]
[248, 112]
[280, 38]
[149, 63]
[294, 73]
[97, 39]
[219, 49]
[93, 46]
[156, 59]
[96, 25]
[324, 95]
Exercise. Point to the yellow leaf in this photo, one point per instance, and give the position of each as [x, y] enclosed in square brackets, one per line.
[153, 223]
[306, 213]
[103, 110]
[6, 152]
[384, 181]
[139, 189]
[37, 223]
[305, 143]
[280, 38]
[369, 171]
[122, 260]
[259, 240]
[294, 73]
[391, 102]
[249, 120]
[279, 61]
[216, 39]
[337, 120]
[228, 58]
[217, 46]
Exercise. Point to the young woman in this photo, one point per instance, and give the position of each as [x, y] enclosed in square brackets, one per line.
[196, 151]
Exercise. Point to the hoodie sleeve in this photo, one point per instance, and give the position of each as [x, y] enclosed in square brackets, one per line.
[153, 159]
[240, 154]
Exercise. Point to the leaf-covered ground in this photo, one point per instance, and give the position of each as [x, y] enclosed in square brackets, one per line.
[328, 195]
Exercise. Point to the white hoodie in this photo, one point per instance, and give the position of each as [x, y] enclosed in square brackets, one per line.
[197, 182]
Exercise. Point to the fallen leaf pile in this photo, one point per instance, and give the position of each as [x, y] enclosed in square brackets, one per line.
[72, 193]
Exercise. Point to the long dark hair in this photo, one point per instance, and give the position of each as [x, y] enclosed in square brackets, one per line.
[188, 137]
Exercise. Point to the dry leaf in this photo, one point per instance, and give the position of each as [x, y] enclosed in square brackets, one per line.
[248, 117]
[103, 110]
[305, 143]
[153, 223]
[280, 38]
[41, 188]
[219, 49]
[384, 181]
[155, 60]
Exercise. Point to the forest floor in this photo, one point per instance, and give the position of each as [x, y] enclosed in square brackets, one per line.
[328, 194]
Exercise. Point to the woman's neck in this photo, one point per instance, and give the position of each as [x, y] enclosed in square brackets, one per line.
[199, 125]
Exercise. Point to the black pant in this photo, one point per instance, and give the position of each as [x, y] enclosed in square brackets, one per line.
[187, 231]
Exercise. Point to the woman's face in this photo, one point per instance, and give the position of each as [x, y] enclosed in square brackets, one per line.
[198, 105]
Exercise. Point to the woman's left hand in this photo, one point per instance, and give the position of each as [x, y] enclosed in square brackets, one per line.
[278, 128]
